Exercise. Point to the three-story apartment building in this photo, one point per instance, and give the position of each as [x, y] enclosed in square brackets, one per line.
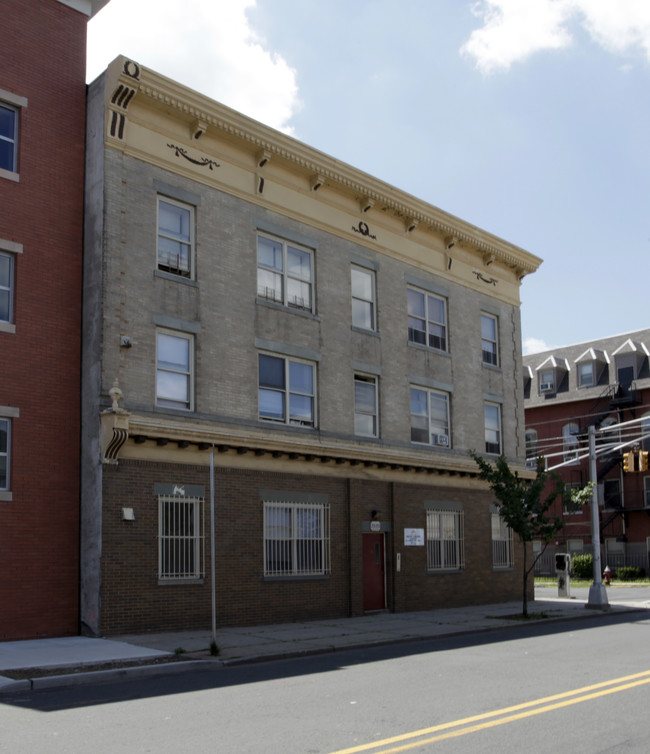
[298, 346]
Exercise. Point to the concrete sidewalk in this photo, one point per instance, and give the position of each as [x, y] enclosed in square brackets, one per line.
[68, 660]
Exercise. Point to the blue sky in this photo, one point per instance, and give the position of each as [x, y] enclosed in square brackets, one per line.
[528, 118]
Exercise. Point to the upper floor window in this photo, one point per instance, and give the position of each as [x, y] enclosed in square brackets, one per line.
[8, 137]
[175, 237]
[285, 273]
[586, 374]
[365, 406]
[174, 362]
[5, 445]
[531, 443]
[490, 339]
[430, 417]
[287, 391]
[570, 441]
[6, 287]
[363, 298]
[492, 412]
[427, 319]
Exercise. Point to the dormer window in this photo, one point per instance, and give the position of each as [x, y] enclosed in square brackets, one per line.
[590, 366]
[628, 361]
[551, 376]
[547, 381]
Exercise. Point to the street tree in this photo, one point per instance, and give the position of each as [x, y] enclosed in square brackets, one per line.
[525, 507]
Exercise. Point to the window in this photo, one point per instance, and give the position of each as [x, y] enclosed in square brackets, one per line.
[8, 138]
[570, 508]
[570, 441]
[502, 555]
[427, 319]
[547, 381]
[586, 374]
[645, 432]
[5, 445]
[284, 273]
[492, 412]
[287, 391]
[430, 417]
[489, 340]
[531, 444]
[363, 298]
[444, 540]
[175, 237]
[612, 493]
[6, 287]
[296, 539]
[174, 370]
[646, 491]
[180, 537]
[365, 406]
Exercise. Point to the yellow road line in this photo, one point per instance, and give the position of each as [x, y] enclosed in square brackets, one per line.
[583, 694]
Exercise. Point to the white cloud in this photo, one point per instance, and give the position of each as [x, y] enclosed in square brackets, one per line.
[207, 45]
[514, 30]
[534, 345]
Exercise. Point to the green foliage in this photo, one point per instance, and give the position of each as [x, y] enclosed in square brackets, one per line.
[582, 566]
[630, 573]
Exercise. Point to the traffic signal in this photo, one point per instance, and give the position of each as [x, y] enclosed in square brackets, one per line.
[628, 461]
[643, 460]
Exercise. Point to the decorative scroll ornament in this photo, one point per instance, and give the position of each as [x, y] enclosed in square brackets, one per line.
[481, 276]
[364, 230]
[182, 152]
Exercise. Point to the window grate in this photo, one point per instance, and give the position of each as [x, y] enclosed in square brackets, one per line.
[180, 537]
[445, 550]
[296, 539]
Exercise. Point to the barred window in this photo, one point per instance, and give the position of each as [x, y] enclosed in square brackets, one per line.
[296, 539]
[502, 556]
[445, 540]
[180, 537]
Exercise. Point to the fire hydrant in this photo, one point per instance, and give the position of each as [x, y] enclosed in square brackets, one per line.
[607, 575]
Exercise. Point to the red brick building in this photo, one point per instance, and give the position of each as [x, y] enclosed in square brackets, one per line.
[42, 122]
[605, 383]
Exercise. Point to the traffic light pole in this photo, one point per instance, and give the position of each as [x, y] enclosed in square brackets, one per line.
[597, 592]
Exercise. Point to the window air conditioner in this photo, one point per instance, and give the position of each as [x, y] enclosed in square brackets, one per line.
[442, 440]
[546, 387]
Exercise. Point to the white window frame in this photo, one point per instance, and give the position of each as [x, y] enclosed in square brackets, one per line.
[493, 431]
[570, 442]
[8, 289]
[13, 139]
[287, 550]
[445, 540]
[364, 307]
[532, 444]
[490, 345]
[436, 430]
[280, 293]
[502, 544]
[181, 543]
[428, 328]
[5, 455]
[288, 416]
[361, 413]
[169, 369]
[184, 240]
[583, 368]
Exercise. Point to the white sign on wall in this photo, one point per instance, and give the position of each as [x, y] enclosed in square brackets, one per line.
[414, 537]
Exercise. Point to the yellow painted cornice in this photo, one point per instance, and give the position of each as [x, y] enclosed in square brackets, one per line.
[198, 118]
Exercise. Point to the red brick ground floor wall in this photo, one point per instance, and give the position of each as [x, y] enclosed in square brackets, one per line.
[133, 599]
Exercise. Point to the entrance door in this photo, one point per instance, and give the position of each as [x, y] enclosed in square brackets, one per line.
[374, 590]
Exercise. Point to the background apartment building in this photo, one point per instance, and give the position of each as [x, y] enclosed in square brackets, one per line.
[334, 344]
[42, 129]
[605, 383]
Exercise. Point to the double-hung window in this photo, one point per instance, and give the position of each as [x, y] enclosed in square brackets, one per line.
[492, 413]
[5, 447]
[296, 539]
[490, 340]
[586, 373]
[570, 442]
[427, 319]
[363, 298]
[6, 287]
[175, 237]
[8, 138]
[287, 390]
[180, 537]
[174, 362]
[285, 273]
[365, 406]
[444, 540]
[430, 417]
[502, 556]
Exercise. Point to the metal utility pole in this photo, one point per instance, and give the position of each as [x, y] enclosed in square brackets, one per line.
[597, 592]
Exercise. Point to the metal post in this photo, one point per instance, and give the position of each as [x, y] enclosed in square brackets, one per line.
[212, 552]
[597, 592]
